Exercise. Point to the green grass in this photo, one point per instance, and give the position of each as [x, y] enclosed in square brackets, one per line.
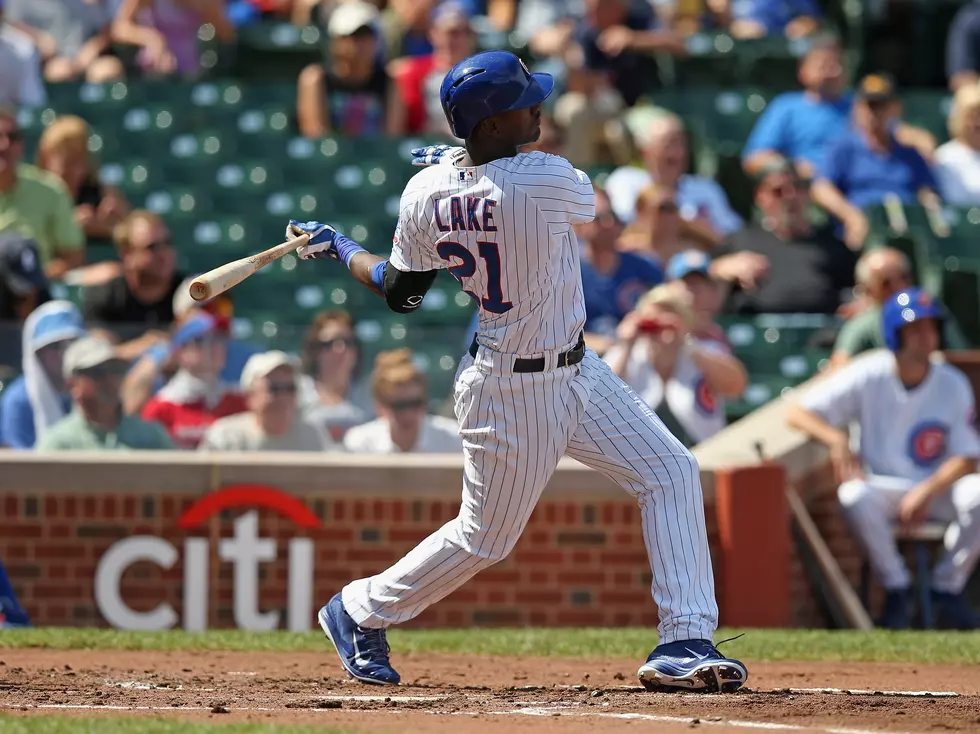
[919, 647]
[139, 725]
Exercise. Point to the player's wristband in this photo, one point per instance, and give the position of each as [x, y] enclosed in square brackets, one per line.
[378, 275]
[345, 248]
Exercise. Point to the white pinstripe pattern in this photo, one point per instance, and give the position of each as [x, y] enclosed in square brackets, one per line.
[516, 426]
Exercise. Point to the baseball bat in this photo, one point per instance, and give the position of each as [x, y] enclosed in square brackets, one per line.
[217, 281]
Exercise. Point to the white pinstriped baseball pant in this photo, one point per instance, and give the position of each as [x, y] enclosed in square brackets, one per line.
[515, 428]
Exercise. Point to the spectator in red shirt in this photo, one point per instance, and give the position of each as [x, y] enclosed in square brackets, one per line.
[419, 78]
[196, 396]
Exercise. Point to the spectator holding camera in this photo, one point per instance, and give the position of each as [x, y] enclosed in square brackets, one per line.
[403, 424]
[684, 380]
[272, 422]
[93, 374]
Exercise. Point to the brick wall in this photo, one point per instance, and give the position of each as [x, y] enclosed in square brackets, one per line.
[580, 562]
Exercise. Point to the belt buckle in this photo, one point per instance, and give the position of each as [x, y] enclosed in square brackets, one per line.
[563, 359]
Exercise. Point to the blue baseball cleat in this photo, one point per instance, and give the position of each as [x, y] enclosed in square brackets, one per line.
[363, 652]
[691, 665]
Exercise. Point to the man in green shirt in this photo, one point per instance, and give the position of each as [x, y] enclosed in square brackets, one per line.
[36, 204]
[94, 375]
[880, 274]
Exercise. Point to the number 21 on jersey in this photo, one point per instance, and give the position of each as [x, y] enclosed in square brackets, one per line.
[478, 217]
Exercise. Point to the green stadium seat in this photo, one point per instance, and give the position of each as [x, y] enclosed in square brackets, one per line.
[928, 109]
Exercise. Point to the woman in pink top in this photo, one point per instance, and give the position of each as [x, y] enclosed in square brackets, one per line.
[166, 31]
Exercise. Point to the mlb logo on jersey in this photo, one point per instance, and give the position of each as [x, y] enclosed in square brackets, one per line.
[467, 176]
[927, 443]
[704, 398]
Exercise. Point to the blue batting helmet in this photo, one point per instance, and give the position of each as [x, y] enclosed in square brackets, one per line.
[487, 84]
[912, 304]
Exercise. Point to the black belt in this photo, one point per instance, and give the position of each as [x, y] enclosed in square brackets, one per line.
[565, 359]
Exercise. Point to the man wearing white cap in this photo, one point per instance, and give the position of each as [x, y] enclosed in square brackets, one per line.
[272, 422]
[93, 373]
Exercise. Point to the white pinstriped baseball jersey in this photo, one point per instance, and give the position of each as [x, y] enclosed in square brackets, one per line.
[504, 231]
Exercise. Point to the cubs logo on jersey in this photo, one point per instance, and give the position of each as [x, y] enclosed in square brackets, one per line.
[927, 443]
[704, 398]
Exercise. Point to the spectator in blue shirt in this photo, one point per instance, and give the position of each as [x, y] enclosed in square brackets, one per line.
[867, 164]
[790, 18]
[612, 280]
[798, 126]
[39, 398]
[963, 47]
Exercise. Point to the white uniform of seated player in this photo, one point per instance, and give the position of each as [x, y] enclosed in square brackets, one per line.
[403, 426]
[917, 456]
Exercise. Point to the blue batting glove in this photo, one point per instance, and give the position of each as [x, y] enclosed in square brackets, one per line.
[321, 244]
[434, 155]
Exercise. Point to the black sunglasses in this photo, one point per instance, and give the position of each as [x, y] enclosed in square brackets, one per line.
[13, 136]
[157, 245]
[104, 370]
[347, 342]
[282, 388]
[668, 207]
[403, 405]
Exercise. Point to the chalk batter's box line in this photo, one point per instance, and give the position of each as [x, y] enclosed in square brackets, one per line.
[537, 711]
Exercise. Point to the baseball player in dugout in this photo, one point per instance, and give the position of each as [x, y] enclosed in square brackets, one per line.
[528, 392]
[916, 458]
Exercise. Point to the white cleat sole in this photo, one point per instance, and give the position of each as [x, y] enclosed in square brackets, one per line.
[721, 676]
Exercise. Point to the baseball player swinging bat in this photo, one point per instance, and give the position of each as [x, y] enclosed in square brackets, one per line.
[217, 281]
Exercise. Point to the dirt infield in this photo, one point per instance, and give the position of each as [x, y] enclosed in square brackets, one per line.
[445, 693]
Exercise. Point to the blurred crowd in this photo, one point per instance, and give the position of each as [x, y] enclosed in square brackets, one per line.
[139, 364]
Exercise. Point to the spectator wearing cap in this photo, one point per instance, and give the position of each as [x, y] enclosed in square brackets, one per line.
[666, 160]
[958, 161]
[38, 398]
[36, 204]
[760, 18]
[963, 47]
[612, 280]
[868, 164]
[71, 36]
[691, 272]
[880, 274]
[93, 373]
[683, 379]
[331, 395]
[195, 396]
[21, 83]
[798, 126]
[23, 287]
[612, 69]
[350, 94]
[136, 307]
[419, 78]
[403, 425]
[787, 265]
[272, 421]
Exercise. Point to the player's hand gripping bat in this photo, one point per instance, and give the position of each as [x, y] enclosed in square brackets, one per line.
[217, 281]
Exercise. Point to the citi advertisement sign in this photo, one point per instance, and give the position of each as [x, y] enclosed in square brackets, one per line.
[245, 550]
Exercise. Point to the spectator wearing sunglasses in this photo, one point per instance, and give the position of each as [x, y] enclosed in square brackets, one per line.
[330, 396]
[880, 274]
[196, 396]
[403, 425]
[136, 307]
[786, 265]
[272, 421]
[93, 373]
